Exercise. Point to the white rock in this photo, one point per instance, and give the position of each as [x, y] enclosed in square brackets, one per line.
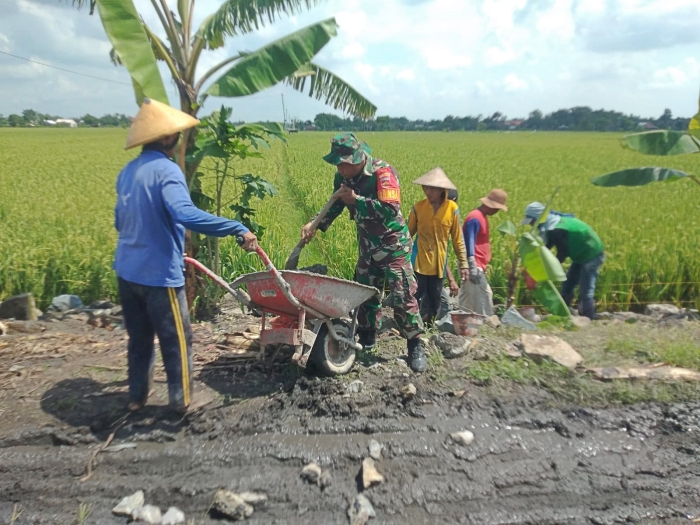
[231, 505]
[581, 321]
[254, 498]
[540, 346]
[370, 476]
[360, 510]
[493, 321]
[311, 473]
[129, 504]
[174, 516]
[463, 437]
[355, 387]
[3, 329]
[375, 450]
[147, 514]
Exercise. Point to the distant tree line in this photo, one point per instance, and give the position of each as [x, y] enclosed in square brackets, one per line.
[31, 118]
[580, 118]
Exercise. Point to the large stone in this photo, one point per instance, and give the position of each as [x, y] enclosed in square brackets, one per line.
[311, 473]
[20, 307]
[147, 514]
[408, 391]
[360, 510]
[463, 437]
[451, 345]
[661, 310]
[549, 347]
[662, 373]
[231, 505]
[513, 318]
[370, 476]
[66, 302]
[129, 504]
[174, 516]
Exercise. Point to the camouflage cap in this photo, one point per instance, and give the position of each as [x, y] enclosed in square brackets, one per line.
[346, 148]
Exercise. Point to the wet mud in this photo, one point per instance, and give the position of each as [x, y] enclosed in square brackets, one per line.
[528, 464]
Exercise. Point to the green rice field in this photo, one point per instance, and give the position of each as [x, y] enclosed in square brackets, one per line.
[57, 197]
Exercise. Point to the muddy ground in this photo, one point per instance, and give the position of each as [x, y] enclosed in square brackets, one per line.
[537, 458]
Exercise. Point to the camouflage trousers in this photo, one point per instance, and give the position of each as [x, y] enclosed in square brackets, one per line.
[396, 273]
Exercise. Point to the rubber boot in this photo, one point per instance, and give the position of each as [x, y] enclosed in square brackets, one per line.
[588, 309]
[416, 356]
[367, 339]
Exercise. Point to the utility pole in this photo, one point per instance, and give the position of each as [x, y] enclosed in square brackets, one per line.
[284, 112]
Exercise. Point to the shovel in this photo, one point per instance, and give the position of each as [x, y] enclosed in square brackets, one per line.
[293, 259]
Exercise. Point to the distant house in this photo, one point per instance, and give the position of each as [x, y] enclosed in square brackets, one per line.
[49, 122]
[513, 124]
[647, 126]
[67, 122]
[310, 128]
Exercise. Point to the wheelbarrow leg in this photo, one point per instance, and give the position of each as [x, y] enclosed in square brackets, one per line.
[299, 349]
[261, 354]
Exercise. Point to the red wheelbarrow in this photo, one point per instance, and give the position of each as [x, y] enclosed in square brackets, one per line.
[311, 308]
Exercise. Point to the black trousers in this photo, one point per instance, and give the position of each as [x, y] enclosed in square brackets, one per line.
[151, 310]
[428, 294]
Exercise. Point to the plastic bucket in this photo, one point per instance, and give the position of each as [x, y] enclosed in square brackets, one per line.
[466, 323]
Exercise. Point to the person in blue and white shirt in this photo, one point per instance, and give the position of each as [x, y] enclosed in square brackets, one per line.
[152, 212]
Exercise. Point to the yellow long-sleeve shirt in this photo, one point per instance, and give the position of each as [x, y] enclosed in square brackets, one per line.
[434, 231]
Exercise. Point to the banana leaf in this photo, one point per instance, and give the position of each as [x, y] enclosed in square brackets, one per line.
[638, 177]
[508, 228]
[662, 142]
[274, 62]
[547, 295]
[539, 262]
[125, 31]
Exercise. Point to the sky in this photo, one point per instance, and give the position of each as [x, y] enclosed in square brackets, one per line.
[414, 58]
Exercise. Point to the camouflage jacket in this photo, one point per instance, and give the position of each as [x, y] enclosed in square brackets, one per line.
[381, 228]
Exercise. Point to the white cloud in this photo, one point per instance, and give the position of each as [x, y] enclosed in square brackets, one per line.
[352, 50]
[496, 56]
[406, 74]
[441, 57]
[514, 83]
[4, 43]
[674, 76]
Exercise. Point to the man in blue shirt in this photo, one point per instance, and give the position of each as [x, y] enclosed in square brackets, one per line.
[152, 212]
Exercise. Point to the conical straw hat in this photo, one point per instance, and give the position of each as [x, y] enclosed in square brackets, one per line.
[437, 179]
[155, 121]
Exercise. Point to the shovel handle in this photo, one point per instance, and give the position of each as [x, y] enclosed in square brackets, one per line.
[322, 214]
[284, 285]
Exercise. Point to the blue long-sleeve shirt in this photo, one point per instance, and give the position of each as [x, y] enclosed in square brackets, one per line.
[470, 231]
[153, 210]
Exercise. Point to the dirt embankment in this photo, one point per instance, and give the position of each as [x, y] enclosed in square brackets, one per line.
[534, 459]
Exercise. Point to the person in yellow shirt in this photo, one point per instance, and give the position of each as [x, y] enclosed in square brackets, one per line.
[436, 220]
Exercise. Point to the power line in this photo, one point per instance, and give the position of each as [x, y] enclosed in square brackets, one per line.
[66, 70]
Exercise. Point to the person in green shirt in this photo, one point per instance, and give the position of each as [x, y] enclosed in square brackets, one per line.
[576, 240]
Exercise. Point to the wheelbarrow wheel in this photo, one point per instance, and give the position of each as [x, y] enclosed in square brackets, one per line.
[330, 357]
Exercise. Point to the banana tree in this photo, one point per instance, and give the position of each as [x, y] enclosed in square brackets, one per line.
[661, 143]
[542, 268]
[137, 47]
[288, 59]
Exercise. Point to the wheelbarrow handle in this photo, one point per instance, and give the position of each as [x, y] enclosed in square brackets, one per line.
[241, 296]
[284, 285]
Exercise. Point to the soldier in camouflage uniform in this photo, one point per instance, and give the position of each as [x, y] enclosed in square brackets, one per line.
[369, 188]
